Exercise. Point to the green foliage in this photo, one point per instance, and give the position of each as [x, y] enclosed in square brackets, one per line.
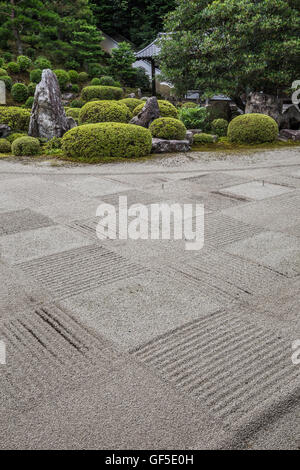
[77, 103]
[25, 146]
[31, 88]
[2, 72]
[131, 103]
[203, 138]
[73, 112]
[15, 117]
[107, 81]
[36, 75]
[121, 62]
[24, 63]
[168, 128]
[73, 76]
[1, 61]
[14, 136]
[5, 146]
[107, 139]
[95, 82]
[190, 104]
[62, 77]
[95, 69]
[218, 110]
[13, 67]
[86, 41]
[7, 80]
[252, 128]
[232, 46]
[194, 118]
[101, 92]
[42, 63]
[75, 88]
[166, 109]
[219, 127]
[53, 145]
[83, 77]
[29, 102]
[104, 111]
[19, 92]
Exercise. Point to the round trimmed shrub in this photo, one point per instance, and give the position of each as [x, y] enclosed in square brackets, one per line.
[168, 128]
[25, 146]
[166, 109]
[107, 81]
[19, 92]
[29, 102]
[73, 112]
[2, 72]
[75, 88]
[203, 138]
[7, 80]
[104, 111]
[190, 104]
[14, 136]
[31, 88]
[7, 56]
[77, 103]
[107, 139]
[73, 76]
[5, 146]
[83, 77]
[1, 62]
[15, 117]
[95, 82]
[42, 63]
[252, 128]
[36, 75]
[24, 63]
[132, 103]
[62, 77]
[101, 93]
[94, 69]
[13, 67]
[53, 144]
[219, 127]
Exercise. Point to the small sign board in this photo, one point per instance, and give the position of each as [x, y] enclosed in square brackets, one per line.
[2, 92]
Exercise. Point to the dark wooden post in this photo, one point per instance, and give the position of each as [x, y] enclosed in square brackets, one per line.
[153, 77]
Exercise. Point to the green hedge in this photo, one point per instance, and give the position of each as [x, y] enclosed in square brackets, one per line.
[252, 128]
[101, 93]
[16, 118]
[219, 127]
[104, 111]
[203, 138]
[166, 109]
[5, 146]
[73, 76]
[24, 63]
[132, 103]
[168, 128]
[107, 139]
[19, 92]
[25, 146]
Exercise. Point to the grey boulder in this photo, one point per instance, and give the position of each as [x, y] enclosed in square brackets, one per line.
[290, 134]
[169, 146]
[5, 130]
[149, 112]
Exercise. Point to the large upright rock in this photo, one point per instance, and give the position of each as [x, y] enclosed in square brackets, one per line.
[264, 104]
[48, 118]
[149, 112]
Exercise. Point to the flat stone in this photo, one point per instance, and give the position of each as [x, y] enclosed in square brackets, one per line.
[290, 134]
[190, 137]
[168, 146]
[257, 190]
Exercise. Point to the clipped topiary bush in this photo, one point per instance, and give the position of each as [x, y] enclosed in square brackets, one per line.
[75, 88]
[73, 112]
[73, 76]
[219, 127]
[107, 81]
[83, 77]
[2, 72]
[132, 103]
[101, 93]
[31, 88]
[194, 118]
[7, 80]
[19, 92]
[15, 117]
[107, 139]
[168, 128]
[190, 104]
[166, 109]
[5, 146]
[13, 67]
[25, 146]
[36, 75]
[104, 111]
[14, 136]
[77, 103]
[29, 102]
[252, 128]
[42, 63]
[95, 82]
[203, 138]
[24, 63]
[62, 77]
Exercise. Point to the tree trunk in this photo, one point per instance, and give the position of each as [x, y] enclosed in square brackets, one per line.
[264, 104]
